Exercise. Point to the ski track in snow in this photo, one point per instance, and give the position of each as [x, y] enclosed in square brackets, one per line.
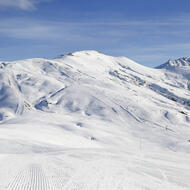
[95, 171]
[31, 178]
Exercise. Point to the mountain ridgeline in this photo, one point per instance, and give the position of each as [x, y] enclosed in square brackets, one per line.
[81, 82]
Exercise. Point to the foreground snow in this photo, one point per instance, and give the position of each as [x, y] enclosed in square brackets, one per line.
[90, 121]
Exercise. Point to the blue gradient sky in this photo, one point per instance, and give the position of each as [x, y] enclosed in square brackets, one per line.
[147, 31]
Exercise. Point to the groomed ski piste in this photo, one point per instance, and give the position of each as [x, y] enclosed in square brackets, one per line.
[89, 121]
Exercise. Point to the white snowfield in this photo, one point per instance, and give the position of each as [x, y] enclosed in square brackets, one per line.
[88, 121]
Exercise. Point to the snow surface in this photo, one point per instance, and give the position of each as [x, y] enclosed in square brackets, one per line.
[88, 121]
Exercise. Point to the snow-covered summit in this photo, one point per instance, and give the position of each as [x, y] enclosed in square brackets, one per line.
[78, 53]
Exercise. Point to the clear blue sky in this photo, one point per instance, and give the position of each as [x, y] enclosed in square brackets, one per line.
[147, 31]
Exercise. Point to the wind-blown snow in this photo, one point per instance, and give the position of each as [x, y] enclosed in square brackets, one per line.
[91, 121]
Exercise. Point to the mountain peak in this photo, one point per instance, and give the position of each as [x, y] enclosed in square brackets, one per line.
[177, 63]
[76, 53]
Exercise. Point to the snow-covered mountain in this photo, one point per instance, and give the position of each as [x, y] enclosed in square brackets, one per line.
[91, 121]
[181, 62]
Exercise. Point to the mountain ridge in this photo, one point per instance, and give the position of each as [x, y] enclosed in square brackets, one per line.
[83, 65]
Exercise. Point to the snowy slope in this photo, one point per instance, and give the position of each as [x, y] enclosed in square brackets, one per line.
[91, 121]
